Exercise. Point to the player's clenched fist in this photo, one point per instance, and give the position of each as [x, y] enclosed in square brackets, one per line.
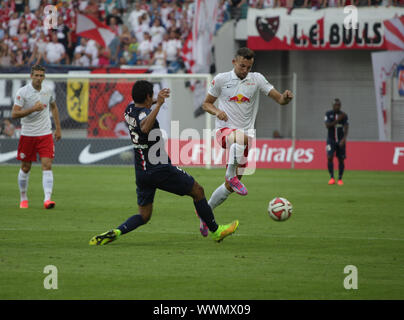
[163, 94]
[287, 96]
[221, 115]
[38, 106]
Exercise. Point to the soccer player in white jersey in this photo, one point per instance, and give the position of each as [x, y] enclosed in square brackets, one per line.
[237, 92]
[32, 104]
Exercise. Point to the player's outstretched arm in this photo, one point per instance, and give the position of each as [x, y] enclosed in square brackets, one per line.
[281, 98]
[19, 112]
[147, 123]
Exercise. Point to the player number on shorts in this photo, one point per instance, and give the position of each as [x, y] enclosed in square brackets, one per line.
[51, 17]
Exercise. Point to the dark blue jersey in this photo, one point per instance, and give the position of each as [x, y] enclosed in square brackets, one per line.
[335, 133]
[149, 148]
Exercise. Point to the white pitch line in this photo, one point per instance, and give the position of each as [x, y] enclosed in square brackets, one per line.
[193, 233]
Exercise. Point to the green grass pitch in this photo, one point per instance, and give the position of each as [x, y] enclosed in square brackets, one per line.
[360, 224]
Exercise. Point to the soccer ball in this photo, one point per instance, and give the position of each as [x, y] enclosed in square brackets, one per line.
[280, 209]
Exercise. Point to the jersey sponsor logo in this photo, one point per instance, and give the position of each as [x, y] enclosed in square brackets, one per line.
[86, 157]
[239, 99]
[8, 155]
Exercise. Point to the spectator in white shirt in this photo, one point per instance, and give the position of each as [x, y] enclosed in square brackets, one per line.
[173, 48]
[145, 48]
[91, 51]
[157, 31]
[165, 10]
[141, 28]
[41, 43]
[13, 24]
[135, 14]
[81, 47]
[55, 51]
[159, 60]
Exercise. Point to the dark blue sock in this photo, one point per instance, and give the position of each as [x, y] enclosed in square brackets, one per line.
[341, 167]
[131, 224]
[331, 168]
[206, 214]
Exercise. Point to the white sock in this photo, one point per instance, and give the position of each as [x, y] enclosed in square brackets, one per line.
[235, 156]
[47, 183]
[218, 196]
[23, 179]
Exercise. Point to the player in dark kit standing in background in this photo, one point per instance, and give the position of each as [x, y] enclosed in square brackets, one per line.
[336, 122]
[154, 170]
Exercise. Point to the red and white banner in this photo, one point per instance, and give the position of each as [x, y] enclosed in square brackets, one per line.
[91, 28]
[307, 155]
[202, 34]
[394, 33]
[325, 29]
[197, 49]
[384, 65]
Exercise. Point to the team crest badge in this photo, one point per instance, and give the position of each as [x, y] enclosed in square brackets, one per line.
[267, 27]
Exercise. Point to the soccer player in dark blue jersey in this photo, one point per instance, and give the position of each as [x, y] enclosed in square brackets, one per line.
[336, 122]
[153, 168]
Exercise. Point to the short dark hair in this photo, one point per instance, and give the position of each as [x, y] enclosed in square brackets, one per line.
[140, 90]
[246, 53]
[37, 67]
[337, 101]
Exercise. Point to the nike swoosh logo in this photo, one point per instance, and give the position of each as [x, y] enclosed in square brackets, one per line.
[86, 157]
[8, 155]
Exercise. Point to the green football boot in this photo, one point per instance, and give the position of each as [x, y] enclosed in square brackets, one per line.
[224, 230]
[105, 238]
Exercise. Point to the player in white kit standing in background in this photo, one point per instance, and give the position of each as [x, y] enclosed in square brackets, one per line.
[237, 92]
[32, 104]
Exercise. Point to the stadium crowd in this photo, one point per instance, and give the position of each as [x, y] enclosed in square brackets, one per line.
[148, 33]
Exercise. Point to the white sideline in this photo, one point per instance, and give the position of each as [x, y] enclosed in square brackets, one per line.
[197, 233]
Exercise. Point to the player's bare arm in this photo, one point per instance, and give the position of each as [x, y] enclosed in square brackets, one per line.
[281, 98]
[208, 106]
[19, 112]
[147, 123]
[55, 115]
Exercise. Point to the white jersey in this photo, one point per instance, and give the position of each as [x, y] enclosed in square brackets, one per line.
[37, 123]
[238, 98]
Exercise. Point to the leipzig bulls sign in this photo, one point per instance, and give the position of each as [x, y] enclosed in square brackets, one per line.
[325, 29]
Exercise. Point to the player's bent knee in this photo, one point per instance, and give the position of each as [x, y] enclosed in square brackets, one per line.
[146, 217]
[25, 167]
[146, 212]
[197, 192]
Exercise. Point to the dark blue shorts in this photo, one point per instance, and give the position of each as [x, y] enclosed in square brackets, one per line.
[333, 147]
[168, 178]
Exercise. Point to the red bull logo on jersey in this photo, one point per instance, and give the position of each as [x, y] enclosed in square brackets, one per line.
[239, 98]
